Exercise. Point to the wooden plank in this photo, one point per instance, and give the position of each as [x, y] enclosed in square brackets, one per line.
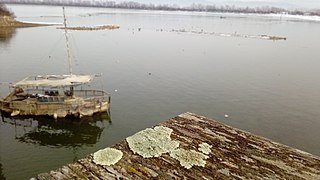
[44, 176]
[66, 171]
[58, 175]
[234, 154]
[97, 170]
[82, 172]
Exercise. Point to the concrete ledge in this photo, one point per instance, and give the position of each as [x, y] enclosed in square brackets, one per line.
[190, 146]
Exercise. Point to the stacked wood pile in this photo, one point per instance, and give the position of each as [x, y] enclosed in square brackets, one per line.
[231, 154]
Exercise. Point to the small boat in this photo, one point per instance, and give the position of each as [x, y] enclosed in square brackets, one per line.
[55, 95]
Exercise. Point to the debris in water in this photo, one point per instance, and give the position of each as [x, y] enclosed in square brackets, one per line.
[263, 36]
[86, 28]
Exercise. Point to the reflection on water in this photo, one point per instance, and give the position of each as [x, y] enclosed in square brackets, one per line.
[6, 33]
[1, 173]
[60, 133]
[269, 88]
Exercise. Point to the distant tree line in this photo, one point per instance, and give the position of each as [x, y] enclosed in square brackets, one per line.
[167, 7]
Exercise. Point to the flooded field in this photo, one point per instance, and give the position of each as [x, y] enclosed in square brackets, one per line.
[158, 65]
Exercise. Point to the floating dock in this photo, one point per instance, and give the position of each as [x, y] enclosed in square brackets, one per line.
[190, 146]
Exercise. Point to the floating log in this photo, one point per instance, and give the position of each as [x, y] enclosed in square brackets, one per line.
[86, 28]
[264, 37]
[190, 146]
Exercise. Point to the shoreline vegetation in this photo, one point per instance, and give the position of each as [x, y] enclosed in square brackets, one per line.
[197, 7]
[7, 20]
[10, 22]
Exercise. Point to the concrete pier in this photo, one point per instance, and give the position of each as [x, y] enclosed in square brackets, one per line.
[190, 146]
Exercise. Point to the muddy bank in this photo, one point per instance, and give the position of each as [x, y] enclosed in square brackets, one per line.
[91, 28]
[10, 22]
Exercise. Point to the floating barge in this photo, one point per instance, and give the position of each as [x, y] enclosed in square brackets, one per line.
[56, 96]
[190, 146]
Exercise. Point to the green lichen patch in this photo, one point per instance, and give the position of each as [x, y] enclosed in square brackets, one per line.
[205, 148]
[152, 142]
[224, 171]
[107, 156]
[189, 158]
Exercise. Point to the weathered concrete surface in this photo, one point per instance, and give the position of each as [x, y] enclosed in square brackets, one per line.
[231, 154]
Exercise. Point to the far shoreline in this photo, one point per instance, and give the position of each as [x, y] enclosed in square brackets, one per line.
[132, 5]
[279, 16]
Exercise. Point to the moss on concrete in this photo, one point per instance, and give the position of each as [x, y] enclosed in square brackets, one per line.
[189, 158]
[107, 156]
[204, 148]
[152, 142]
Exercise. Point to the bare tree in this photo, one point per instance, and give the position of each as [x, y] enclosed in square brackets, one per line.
[4, 11]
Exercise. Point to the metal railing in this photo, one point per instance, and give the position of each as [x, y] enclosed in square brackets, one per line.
[54, 96]
[93, 95]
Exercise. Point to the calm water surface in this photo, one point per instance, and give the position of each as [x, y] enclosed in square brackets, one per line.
[270, 88]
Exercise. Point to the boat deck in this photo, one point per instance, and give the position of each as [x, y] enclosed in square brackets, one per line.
[54, 103]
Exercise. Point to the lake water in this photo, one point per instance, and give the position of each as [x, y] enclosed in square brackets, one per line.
[270, 88]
